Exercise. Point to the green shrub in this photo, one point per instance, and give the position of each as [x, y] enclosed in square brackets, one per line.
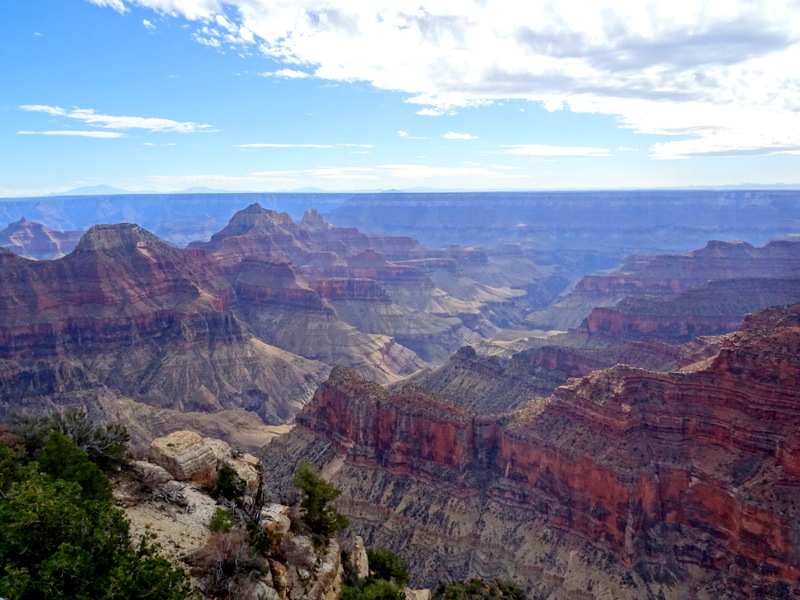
[479, 589]
[373, 589]
[61, 459]
[57, 543]
[385, 564]
[221, 520]
[229, 485]
[318, 514]
[105, 445]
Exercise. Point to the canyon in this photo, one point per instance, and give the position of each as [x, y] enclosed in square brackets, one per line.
[232, 336]
[623, 483]
[597, 413]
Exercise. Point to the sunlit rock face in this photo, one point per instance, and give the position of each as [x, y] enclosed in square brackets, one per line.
[625, 483]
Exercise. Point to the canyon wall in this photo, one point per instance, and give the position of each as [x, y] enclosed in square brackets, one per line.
[625, 483]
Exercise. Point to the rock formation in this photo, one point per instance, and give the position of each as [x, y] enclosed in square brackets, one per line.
[625, 483]
[33, 240]
[128, 327]
[714, 308]
[127, 316]
[668, 275]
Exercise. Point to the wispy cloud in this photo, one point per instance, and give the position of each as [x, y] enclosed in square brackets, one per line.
[452, 135]
[284, 146]
[90, 134]
[423, 172]
[386, 175]
[661, 68]
[90, 117]
[429, 111]
[273, 145]
[117, 5]
[543, 150]
[287, 74]
[148, 24]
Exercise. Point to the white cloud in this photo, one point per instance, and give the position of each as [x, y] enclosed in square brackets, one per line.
[287, 74]
[284, 146]
[388, 175]
[117, 5]
[90, 117]
[148, 24]
[433, 172]
[405, 134]
[351, 173]
[452, 135]
[212, 42]
[434, 111]
[271, 145]
[649, 64]
[544, 150]
[38, 34]
[91, 134]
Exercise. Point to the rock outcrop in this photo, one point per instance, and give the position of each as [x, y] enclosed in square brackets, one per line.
[184, 454]
[626, 483]
[30, 239]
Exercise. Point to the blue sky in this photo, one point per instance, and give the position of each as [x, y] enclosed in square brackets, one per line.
[268, 95]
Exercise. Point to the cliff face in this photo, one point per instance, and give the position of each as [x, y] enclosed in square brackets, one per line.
[351, 285]
[714, 308]
[626, 483]
[125, 314]
[246, 324]
[33, 240]
[669, 275]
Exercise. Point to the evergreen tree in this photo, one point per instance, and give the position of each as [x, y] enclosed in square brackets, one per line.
[62, 538]
[318, 513]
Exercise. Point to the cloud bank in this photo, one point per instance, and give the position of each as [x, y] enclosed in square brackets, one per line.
[720, 77]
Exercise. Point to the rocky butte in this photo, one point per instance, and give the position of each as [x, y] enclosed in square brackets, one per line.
[625, 483]
[232, 336]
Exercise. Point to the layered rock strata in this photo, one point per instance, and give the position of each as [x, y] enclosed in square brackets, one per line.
[33, 240]
[714, 308]
[625, 483]
[668, 275]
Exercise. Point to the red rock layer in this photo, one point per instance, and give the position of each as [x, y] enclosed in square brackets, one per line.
[701, 468]
[711, 309]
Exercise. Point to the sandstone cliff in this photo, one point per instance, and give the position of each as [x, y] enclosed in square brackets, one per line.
[626, 483]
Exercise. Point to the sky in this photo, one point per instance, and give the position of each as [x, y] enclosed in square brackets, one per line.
[339, 95]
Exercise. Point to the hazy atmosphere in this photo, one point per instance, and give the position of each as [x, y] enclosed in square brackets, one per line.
[166, 95]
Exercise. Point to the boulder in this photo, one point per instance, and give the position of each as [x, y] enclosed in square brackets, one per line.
[184, 454]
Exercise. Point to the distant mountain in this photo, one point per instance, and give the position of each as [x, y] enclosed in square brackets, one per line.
[95, 190]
